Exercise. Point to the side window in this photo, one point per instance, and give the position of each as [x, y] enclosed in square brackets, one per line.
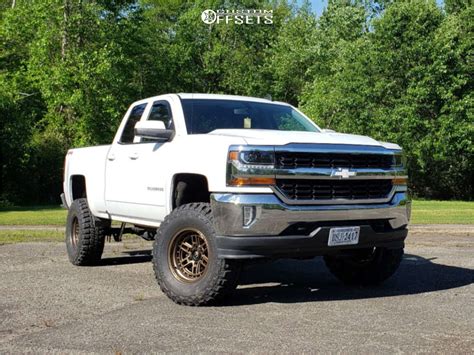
[161, 111]
[128, 131]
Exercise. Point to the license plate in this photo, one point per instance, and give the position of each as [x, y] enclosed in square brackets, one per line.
[343, 236]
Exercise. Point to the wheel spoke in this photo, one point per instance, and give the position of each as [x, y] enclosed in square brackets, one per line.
[189, 255]
[186, 246]
[185, 249]
[186, 262]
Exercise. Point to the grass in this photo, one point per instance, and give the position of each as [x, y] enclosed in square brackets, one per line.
[21, 236]
[442, 212]
[39, 215]
[423, 212]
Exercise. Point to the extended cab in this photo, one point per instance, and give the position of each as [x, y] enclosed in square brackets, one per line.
[216, 180]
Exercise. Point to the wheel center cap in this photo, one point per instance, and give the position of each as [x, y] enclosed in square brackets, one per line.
[196, 255]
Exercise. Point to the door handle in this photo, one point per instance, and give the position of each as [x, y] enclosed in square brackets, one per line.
[111, 157]
[133, 156]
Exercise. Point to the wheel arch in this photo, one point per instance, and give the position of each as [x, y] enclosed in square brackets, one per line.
[78, 187]
[196, 189]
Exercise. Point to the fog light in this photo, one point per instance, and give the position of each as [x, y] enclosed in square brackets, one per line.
[249, 215]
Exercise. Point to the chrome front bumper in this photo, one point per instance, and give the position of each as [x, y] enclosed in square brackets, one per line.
[272, 216]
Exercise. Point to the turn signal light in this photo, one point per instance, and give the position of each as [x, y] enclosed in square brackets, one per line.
[233, 155]
[400, 181]
[251, 181]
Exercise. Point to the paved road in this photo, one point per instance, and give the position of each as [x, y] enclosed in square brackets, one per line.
[47, 305]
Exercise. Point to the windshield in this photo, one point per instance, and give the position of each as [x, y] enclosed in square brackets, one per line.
[206, 115]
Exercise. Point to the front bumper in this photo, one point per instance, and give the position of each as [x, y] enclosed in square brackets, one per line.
[281, 230]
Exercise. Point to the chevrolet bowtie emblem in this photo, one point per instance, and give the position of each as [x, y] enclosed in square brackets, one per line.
[343, 173]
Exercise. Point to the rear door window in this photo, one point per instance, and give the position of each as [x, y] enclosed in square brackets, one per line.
[161, 111]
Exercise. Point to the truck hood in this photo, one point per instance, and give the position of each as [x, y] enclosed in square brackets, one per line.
[271, 137]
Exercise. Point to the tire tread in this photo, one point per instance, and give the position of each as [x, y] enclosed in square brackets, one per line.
[221, 284]
[92, 234]
[381, 268]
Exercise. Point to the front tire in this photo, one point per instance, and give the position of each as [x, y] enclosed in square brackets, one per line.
[364, 267]
[185, 258]
[85, 235]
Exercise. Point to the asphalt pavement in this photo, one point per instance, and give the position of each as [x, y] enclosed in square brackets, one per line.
[49, 306]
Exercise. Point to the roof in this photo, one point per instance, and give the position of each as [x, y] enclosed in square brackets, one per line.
[209, 97]
[222, 97]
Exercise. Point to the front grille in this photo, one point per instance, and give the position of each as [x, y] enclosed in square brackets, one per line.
[334, 189]
[293, 160]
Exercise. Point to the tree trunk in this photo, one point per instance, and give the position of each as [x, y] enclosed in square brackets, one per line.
[80, 34]
[64, 41]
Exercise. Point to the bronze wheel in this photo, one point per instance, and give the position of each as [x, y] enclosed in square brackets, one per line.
[188, 255]
[75, 232]
[185, 258]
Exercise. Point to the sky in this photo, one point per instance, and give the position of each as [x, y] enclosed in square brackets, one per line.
[319, 5]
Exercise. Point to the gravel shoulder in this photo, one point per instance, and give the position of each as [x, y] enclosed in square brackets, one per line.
[50, 306]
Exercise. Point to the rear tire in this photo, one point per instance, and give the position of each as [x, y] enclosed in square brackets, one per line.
[85, 235]
[364, 267]
[185, 258]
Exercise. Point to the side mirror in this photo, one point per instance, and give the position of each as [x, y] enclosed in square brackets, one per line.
[327, 130]
[154, 130]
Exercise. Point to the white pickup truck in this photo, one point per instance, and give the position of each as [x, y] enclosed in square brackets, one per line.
[217, 180]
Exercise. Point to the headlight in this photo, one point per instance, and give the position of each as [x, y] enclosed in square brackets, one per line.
[399, 159]
[257, 157]
[399, 162]
[250, 166]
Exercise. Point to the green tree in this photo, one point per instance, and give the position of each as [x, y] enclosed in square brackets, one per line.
[398, 70]
[339, 69]
[67, 58]
[407, 80]
[452, 154]
[291, 55]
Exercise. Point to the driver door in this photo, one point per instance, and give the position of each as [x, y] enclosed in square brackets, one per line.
[134, 186]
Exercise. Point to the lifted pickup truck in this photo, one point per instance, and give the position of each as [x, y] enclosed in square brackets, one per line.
[218, 180]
